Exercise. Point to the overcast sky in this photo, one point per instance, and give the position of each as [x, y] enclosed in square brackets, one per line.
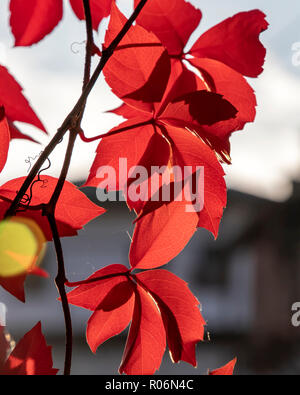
[265, 155]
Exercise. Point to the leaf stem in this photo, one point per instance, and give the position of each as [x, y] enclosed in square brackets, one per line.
[95, 279]
[114, 131]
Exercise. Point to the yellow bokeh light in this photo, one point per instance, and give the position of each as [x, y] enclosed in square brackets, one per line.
[22, 246]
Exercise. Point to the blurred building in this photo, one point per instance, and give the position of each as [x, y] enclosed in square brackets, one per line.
[246, 281]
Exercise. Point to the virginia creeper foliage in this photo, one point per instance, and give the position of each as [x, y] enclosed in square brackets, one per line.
[181, 105]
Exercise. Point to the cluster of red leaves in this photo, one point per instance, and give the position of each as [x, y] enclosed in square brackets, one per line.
[177, 117]
[157, 304]
[30, 357]
[181, 108]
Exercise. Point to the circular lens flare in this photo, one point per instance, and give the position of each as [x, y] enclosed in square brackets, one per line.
[22, 246]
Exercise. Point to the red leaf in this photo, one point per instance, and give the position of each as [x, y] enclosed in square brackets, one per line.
[183, 321]
[99, 10]
[161, 235]
[4, 138]
[32, 20]
[226, 370]
[172, 22]
[189, 150]
[111, 299]
[31, 356]
[16, 106]
[198, 108]
[232, 85]
[235, 42]
[112, 315]
[126, 111]
[15, 133]
[97, 286]
[139, 69]
[146, 341]
[129, 145]
[139, 186]
[15, 285]
[181, 82]
[73, 210]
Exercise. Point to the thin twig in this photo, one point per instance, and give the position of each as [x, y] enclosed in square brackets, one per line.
[89, 43]
[60, 282]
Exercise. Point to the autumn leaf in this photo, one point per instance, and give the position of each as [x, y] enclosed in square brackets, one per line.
[235, 42]
[146, 340]
[16, 105]
[226, 370]
[172, 22]
[15, 285]
[30, 357]
[238, 92]
[179, 308]
[73, 210]
[154, 302]
[32, 20]
[4, 138]
[139, 69]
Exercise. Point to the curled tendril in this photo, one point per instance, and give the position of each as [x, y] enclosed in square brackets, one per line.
[76, 43]
[30, 159]
[26, 200]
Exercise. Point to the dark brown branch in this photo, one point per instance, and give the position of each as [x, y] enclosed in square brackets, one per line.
[89, 43]
[64, 172]
[60, 283]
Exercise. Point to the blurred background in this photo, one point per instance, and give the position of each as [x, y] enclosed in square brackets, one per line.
[247, 280]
